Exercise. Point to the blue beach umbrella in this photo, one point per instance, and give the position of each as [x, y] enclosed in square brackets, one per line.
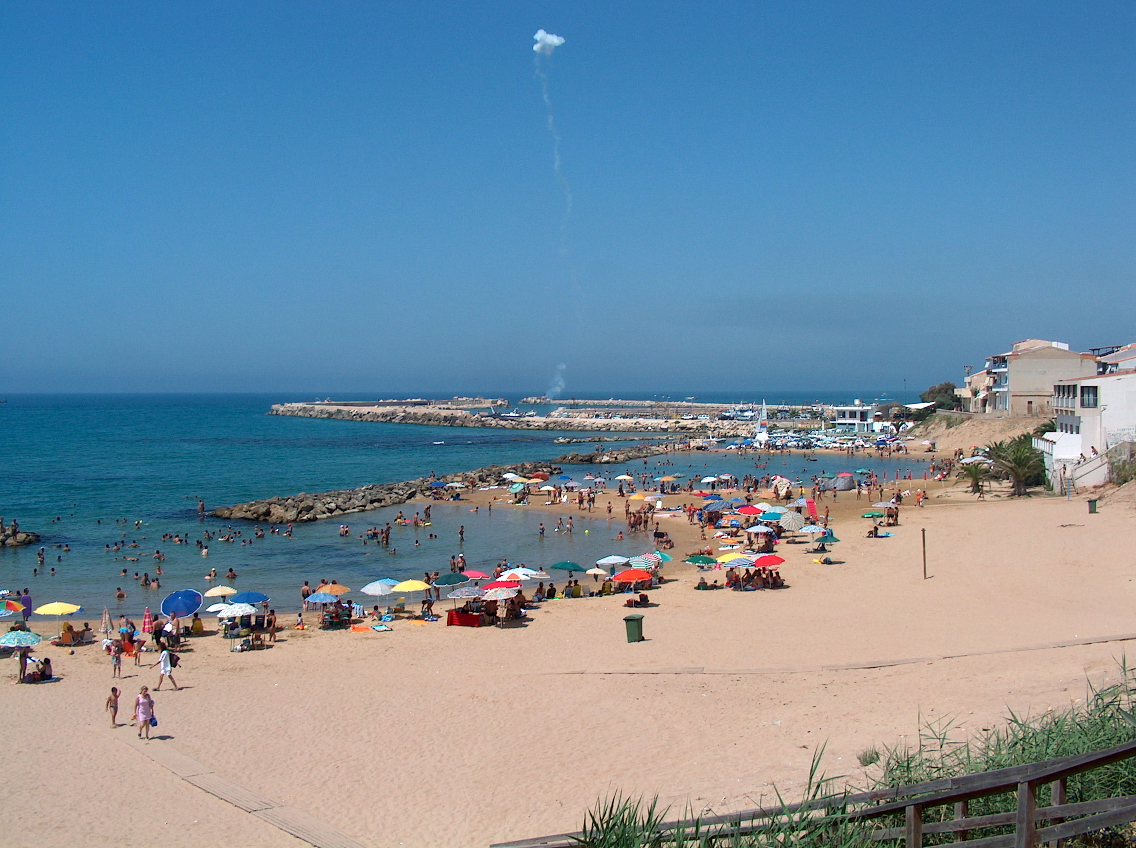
[437, 484]
[517, 487]
[770, 516]
[20, 639]
[664, 557]
[318, 598]
[182, 603]
[250, 597]
[377, 588]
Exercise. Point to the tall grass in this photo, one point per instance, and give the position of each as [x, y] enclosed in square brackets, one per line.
[1108, 718]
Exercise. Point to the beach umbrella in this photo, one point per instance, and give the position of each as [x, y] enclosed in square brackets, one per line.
[182, 603]
[827, 537]
[502, 584]
[517, 487]
[812, 528]
[624, 477]
[13, 606]
[792, 521]
[759, 528]
[632, 575]
[708, 480]
[509, 475]
[217, 607]
[322, 598]
[778, 509]
[475, 575]
[802, 502]
[749, 510]
[726, 476]
[548, 488]
[663, 557]
[437, 484]
[730, 556]
[236, 610]
[454, 578]
[455, 485]
[563, 477]
[250, 597]
[863, 471]
[220, 592]
[770, 516]
[411, 586]
[764, 507]
[147, 621]
[768, 560]
[741, 562]
[667, 478]
[501, 593]
[638, 496]
[699, 559]
[653, 557]
[540, 475]
[20, 639]
[520, 574]
[106, 628]
[883, 504]
[872, 515]
[844, 474]
[383, 586]
[57, 608]
[614, 559]
[334, 589]
[466, 592]
[568, 566]
[596, 572]
[641, 562]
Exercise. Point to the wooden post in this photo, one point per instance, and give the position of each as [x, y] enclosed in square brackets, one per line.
[962, 811]
[913, 826]
[924, 532]
[1059, 795]
[1025, 825]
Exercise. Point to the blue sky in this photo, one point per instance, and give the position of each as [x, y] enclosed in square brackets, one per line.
[360, 197]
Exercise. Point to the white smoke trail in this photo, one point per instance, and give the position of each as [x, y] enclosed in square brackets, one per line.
[546, 43]
[556, 387]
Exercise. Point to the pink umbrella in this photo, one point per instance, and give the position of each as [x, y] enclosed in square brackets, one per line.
[502, 584]
[147, 621]
[475, 575]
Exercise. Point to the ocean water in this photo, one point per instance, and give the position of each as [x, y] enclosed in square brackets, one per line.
[72, 467]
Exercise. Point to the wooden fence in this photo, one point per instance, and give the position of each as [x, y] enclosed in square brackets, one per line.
[1062, 820]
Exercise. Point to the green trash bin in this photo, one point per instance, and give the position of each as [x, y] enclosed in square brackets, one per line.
[1092, 506]
[634, 624]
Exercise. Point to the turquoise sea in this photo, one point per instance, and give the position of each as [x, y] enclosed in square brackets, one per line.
[71, 466]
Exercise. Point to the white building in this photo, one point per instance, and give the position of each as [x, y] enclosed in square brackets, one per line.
[1094, 415]
[1020, 381]
[857, 418]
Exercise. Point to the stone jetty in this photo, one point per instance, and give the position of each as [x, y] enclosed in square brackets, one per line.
[305, 507]
[15, 538]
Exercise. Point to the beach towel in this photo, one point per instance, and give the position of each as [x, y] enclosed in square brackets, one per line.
[380, 628]
[812, 505]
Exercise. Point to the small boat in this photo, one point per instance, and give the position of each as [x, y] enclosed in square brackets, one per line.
[439, 443]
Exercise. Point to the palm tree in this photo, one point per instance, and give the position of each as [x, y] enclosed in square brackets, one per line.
[975, 474]
[1019, 461]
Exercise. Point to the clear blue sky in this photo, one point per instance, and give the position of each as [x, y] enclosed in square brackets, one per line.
[359, 197]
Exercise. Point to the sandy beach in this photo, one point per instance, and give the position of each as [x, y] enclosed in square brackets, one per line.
[431, 735]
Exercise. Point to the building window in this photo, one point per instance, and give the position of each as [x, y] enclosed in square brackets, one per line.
[1088, 397]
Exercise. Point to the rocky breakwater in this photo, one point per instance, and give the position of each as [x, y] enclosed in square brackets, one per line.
[614, 457]
[13, 537]
[305, 507]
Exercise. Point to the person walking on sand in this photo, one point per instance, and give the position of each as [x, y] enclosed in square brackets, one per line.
[112, 706]
[144, 711]
[116, 651]
[167, 661]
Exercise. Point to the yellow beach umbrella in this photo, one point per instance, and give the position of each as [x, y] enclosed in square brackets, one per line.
[220, 592]
[57, 608]
[334, 589]
[730, 556]
[410, 586]
[668, 479]
[638, 496]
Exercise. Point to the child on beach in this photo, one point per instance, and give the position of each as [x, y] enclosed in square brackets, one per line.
[112, 706]
[116, 651]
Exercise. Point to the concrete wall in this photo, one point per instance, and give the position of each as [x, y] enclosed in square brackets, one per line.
[1032, 374]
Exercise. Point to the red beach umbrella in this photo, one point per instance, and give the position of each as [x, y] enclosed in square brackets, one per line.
[540, 475]
[475, 575]
[632, 575]
[750, 510]
[502, 584]
[147, 621]
[768, 560]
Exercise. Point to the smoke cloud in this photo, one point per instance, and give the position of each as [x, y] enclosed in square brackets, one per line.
[546, 42]
[556, 387]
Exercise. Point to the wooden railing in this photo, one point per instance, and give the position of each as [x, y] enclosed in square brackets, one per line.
[1065, 820]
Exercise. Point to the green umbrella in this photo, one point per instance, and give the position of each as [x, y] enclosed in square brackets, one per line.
[872, 515]
[863, 471]
[700, 560]
[569, 566]
[20, 639]
[451, 579]
[826, 538]
[664, 557]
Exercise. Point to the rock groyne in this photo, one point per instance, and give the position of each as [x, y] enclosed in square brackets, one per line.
[16, 538]
[305, 507]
